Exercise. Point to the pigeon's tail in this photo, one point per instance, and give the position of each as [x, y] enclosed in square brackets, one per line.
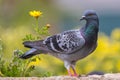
[31, 44]
[37, 47]
[30, 53]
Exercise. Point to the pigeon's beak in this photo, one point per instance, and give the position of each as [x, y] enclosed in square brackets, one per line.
[83, 18]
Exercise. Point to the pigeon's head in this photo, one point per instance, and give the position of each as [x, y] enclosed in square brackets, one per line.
[89, 15]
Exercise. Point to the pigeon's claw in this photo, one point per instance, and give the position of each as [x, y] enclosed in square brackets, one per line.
[69, 72]
[74, 72]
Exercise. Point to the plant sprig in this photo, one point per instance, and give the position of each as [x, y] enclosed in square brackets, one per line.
[40, 32]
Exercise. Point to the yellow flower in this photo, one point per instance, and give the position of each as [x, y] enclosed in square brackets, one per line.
[116, 34]
[34, 63]
[108, 65]
[89, 66]
[35, 14]
[118, 65]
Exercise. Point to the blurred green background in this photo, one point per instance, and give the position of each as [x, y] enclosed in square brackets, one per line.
[15, 23]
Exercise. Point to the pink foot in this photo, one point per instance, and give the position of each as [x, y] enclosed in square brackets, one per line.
[76, 75]
[70, 74]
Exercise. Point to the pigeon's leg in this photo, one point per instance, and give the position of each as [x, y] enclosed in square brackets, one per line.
[74, 71]
[67, 66]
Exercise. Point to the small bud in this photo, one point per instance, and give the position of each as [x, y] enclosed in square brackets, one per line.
[48, 25]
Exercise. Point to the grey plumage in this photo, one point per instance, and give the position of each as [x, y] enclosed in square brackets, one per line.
[71, 45]
[66, 42]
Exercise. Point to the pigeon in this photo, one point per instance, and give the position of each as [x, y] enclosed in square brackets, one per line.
[69, 46]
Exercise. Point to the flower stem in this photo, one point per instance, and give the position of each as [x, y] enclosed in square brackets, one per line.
[37, 25]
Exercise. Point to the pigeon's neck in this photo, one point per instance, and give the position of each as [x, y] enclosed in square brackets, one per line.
[90, 30]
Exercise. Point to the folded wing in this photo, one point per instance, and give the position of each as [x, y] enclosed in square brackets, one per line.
[66, 42]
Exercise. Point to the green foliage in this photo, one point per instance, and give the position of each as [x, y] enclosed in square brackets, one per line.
[45, 74]
[16, 67]
[28, 37]
[40, 33]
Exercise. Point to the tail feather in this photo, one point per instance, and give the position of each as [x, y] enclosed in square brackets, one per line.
[37, 47]
[30, 53]
[31, 44]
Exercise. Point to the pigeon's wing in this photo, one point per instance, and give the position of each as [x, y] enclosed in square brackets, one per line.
[66, 42]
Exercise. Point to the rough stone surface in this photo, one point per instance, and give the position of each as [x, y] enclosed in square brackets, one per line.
[111, 76]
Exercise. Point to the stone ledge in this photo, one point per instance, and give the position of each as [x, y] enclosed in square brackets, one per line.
[111, 76]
